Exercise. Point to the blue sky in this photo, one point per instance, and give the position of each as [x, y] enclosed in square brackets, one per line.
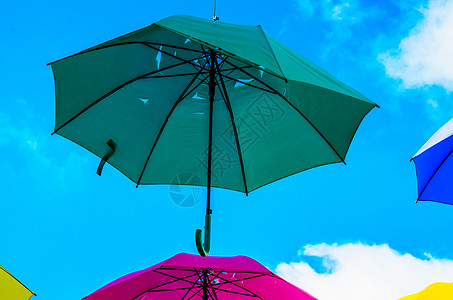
[67, 231]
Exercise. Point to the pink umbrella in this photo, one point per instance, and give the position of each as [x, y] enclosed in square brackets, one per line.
[186, 276]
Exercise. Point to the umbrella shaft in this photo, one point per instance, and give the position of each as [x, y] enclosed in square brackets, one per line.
[211, 104]
[205, 286]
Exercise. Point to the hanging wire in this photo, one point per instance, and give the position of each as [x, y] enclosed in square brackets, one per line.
[215, 18]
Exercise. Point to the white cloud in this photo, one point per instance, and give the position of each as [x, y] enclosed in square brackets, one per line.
[424, 57]
[340, 10]
[433, 103]
[306, 7]
[347, 11]
[16, 132]
[31, 150]
[358, 271]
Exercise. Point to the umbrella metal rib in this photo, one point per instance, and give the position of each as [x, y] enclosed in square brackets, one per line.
[175, 75]
[215, 77]
[230, 270]
[292, 105]
[236, 137]
[199, 290]
[144, 76]
[181, 97]
[115, 90]
[188, 291]
[213, 294]
[207, 72]
[250, 293]
[247, 84]
[443, 161]
[163, 284]
[204, 283]
[200, 285]
[124, 44]
[256, 275]
[148, 44]
[253, 275]
[193, 277]
[174, 56]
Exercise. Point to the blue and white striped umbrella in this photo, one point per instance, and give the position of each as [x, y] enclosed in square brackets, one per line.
[434, 165]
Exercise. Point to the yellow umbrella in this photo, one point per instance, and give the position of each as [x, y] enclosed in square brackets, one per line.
[11, 288]
[437, 291]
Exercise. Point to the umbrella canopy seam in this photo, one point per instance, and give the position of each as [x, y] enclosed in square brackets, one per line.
[114, 91]
[241, 59]
[223, 51]
[272, 51]
[236, 137]
[295, 108]
[226, 99]
[435, 172]
[181, 97]
[121, 44]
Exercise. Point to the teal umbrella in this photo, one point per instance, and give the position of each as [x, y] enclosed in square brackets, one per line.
[227, 104]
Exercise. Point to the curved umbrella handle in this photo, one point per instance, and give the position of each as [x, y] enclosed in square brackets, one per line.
[203, 249]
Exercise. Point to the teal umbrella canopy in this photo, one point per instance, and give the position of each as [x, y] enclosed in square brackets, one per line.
[217, 104]
[146, 95]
